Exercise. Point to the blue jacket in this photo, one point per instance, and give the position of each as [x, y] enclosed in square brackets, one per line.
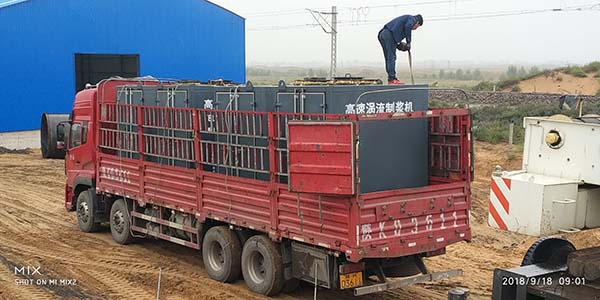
[401, 28]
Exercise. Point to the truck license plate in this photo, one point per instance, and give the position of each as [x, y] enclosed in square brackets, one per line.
[351, 280]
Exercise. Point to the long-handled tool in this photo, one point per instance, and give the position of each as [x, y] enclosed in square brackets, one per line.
[412, 77]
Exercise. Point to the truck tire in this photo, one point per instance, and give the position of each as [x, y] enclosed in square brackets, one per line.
[120, 225]
[85, 212]
[549, 250]
[262, 266]
[221, 253]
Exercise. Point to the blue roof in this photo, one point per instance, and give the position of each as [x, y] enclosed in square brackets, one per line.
[217, 5]
[5, 3]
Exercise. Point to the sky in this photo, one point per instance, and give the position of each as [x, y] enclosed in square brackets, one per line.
[455, 31]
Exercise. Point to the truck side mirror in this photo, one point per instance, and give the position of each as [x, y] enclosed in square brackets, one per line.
[62, 131]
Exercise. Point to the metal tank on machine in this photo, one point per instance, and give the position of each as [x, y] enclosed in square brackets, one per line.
[393, 155]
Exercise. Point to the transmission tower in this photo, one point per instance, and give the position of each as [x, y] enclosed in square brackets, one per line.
[329, 28]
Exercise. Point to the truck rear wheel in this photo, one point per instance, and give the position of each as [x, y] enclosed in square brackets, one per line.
[549, 250]
[120, 225]
[85, 212]
[262, 265]
[221, 253]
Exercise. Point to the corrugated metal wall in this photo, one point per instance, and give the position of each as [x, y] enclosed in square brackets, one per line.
[187, 39]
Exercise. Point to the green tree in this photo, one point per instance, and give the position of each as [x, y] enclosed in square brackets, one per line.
[468, 75]
[477, 75]
[511, 72]
[534, 70]
[442, 75]
[460, 75]
[522, 72]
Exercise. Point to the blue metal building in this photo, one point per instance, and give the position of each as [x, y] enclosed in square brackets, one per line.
[49, 49]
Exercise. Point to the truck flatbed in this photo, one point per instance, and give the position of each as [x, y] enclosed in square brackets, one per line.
[276, 196]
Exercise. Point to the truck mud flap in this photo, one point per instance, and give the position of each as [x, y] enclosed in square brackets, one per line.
[398, 283]
[308, 261]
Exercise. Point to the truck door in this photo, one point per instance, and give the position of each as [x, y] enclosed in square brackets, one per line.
[78, 161]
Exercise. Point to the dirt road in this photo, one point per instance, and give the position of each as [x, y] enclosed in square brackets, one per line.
[36, 231]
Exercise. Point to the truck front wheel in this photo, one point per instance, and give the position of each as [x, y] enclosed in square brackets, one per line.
[85, 212]
[120, 225]
[221, 253]
[262, 265]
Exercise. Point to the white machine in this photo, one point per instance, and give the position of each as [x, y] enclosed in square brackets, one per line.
[558, 189]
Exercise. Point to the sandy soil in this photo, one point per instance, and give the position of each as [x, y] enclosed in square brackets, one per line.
[561, 83]
[35, 230]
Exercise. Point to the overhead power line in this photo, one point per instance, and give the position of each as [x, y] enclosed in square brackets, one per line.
[278, 13]
[483, 15]
[408, 4]
[362, 9]
[281, 27]
[275, 13]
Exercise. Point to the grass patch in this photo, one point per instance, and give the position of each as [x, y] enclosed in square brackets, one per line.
[592, 67]
[493, 132]
[508, 83]
[535, 74]
[484, 86]
[576, 71]
[512, 82]
[490, 123]
[563, 69]
[440, 104]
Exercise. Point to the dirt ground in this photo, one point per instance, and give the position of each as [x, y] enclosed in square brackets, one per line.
[36, 231]
[561, 83]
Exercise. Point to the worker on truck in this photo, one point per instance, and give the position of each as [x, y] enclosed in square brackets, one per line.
[391, 36]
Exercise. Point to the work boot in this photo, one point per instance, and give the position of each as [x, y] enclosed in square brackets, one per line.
[395, 81]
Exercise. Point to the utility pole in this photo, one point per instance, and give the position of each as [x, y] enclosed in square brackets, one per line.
[329, 28]
[333, 65]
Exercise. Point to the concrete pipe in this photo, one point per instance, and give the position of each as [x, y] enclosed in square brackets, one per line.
[50, 134]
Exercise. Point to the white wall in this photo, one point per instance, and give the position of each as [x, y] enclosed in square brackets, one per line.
[20, 139]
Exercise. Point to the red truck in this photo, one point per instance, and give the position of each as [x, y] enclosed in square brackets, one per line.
[318, 227]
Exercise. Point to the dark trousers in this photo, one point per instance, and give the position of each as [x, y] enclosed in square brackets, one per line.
[389, 52]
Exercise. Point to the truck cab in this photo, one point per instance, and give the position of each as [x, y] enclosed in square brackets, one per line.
[81, 147]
